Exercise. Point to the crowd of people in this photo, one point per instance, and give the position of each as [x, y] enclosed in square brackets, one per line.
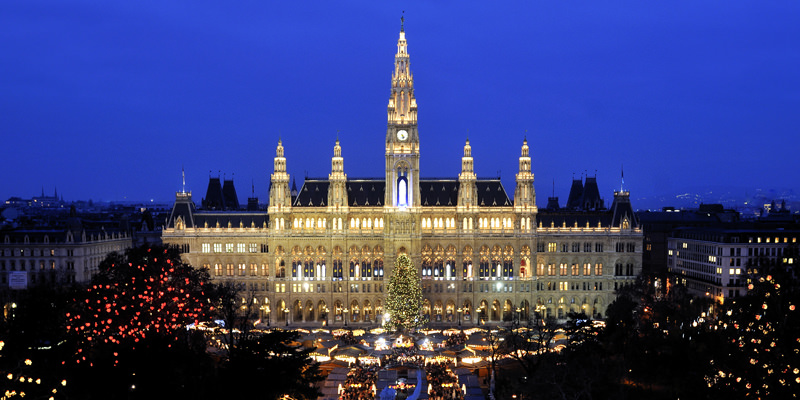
[456, 339]
[359, 384]
[443, 383]
[406, 356]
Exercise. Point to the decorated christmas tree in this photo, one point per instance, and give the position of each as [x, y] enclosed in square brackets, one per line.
[404, 303]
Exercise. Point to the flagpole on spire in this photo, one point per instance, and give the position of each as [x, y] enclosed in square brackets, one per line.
[622, 177]
[183, 179]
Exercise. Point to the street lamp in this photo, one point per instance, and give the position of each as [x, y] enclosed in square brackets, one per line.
[266, 310]
[286, 314]
[459, 315]
[345, 311]
[478, 315]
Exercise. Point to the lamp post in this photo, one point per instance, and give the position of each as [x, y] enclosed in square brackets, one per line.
[286, 314]
[459, 315]
[265, 309]
[518, 311]
[478, 315]
[345, 311]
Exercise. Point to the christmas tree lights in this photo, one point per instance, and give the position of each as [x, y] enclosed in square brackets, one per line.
[404, 301]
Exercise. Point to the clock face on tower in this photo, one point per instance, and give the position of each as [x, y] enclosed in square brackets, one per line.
[402, 135]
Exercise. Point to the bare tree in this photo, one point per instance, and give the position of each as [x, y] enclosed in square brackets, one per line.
[236, 308]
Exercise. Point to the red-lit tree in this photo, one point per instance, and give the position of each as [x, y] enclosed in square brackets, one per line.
[135, 312]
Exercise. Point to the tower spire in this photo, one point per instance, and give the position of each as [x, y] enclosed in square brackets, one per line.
[402, 103]
[402, 21]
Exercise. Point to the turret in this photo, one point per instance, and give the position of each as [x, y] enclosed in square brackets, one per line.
[467, 189]
[337, 192]
[524, 194]
[280, 198]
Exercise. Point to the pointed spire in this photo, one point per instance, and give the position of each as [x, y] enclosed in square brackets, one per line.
[183, 179]
[402, 107]
[402, 21]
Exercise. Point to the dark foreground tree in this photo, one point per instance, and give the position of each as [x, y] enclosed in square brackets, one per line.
[33, 343]
[760, 336]
[130, 326]
[271, 366]
[404, 300]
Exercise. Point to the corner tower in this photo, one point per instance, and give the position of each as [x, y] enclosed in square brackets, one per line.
[280, 199]
[402, 138]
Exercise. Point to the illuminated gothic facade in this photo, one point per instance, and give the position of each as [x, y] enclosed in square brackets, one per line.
[324, 254]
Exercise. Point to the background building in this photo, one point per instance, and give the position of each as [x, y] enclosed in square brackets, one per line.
[713, 261]
[63, 253]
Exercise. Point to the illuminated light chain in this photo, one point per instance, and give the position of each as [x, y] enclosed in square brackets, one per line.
[129, 312]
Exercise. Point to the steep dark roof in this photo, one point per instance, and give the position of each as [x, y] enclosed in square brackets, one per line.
[591, 195]
[575, 195]
[438, 193]
[214, 199]
[313, 193]
[366, 192]
[229, 195]
[621, 209]
[492, 194]
[184, 209]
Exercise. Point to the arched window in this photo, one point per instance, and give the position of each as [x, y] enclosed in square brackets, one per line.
[427, 269]
[483, 269]
[508, 268]
[338, 273]
[366, 268]
[377, 271]
[402, 189]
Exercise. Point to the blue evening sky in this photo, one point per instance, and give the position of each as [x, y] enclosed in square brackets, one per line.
[110, 99]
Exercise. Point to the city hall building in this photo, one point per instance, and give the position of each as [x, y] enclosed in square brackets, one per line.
[325, 254]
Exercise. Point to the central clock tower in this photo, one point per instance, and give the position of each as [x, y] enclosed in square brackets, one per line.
[402, 137]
